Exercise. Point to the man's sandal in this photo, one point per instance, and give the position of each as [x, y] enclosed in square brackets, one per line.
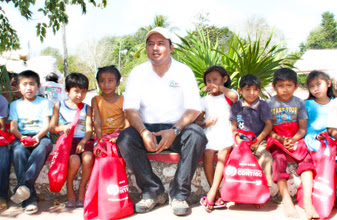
[31, 208]
[202, 200]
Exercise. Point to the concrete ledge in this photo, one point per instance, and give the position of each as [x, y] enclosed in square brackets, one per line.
[164, 166]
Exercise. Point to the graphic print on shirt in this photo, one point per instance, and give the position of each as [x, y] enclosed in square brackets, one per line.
[283, 115]
[174, 84]
[240, 122]
[29, 124]
[110, 122]
[53, 91]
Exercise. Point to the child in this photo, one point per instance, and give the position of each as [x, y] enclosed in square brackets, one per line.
[107, 108]
[320, 94]
[252, 114]
[29, 116]
[4, 158]
[216, 108]
[52, 90]
[82, 146]
[286, 108]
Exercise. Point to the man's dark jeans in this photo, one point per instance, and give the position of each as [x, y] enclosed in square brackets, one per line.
[5, 164]
[28, 162]
[190, 144]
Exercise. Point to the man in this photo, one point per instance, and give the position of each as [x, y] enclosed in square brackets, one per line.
[161, 102]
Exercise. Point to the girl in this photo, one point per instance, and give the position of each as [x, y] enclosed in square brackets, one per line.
[320, 94]
[108, 113]
[216, 108]
[82, 146]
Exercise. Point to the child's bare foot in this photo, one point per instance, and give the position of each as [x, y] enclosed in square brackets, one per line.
[260, 206]
[289, 208]
[310, 210]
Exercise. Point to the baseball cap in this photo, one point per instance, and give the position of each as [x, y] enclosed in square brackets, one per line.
[159, 30]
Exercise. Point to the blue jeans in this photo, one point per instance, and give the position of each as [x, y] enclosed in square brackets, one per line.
[190, 144]
[5, 164]
[28, 162]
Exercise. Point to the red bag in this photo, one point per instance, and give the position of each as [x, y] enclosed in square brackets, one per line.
[6, 138]
[300, 149]
[244, 180]
[323, 194]
[29, 141]
[58, 168]
[112, 200]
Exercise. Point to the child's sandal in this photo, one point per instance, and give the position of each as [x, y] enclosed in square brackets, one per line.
[202, 200]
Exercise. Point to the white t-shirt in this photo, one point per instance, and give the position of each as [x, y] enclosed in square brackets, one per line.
[332, 114]
[219, 135]
[53, 91]
[161, 99]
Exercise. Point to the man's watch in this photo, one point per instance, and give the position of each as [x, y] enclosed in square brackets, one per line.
[176, 130]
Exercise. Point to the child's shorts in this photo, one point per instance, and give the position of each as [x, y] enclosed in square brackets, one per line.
[89, 146]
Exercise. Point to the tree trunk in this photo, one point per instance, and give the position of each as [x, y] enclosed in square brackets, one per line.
[65, 51]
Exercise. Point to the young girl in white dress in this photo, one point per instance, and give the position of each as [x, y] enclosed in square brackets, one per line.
[214, 118]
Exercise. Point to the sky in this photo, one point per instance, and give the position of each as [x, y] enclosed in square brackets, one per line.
[294, 18]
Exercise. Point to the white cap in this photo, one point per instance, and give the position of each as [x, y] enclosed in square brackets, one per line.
[159, 30]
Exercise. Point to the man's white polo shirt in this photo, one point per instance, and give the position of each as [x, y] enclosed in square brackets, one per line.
[162, 99]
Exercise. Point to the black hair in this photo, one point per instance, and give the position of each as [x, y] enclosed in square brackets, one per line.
[109, 69]
[77, 80]
[52, 77]
[29, 74]
[322, 75]
[14, 79]
[250, 80]
[285, 74]
[223, 72]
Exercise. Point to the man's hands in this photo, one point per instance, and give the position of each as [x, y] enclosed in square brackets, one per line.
[150, 141]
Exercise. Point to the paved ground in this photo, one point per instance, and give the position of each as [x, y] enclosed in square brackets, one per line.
[47, 211]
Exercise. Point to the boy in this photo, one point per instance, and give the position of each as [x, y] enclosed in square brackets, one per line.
[251, 113]
[4, 158]
[82, 146]
[288, 109]
[29, 116]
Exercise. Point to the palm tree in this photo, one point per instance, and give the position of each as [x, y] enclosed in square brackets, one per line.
[244, 56]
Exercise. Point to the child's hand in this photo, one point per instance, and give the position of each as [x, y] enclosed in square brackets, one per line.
[289, 143]
[254, 146]
[113, 140]
[238, 140]
[66, 129]
[320, 136]
[210, 121]
[37, 140]
[212, 88]
[80, 147]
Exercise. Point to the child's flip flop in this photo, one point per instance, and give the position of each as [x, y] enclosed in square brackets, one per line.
[202, 200]
[219, 206]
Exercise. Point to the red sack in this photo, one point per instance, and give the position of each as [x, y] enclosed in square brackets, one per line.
[323, 193]
[58, 168]
[300, 149]
[244, 180]
[112, 200]
[29, 141]
[6, 138]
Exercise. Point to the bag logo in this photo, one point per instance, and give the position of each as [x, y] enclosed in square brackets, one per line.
[112, 189]
[231, 171]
